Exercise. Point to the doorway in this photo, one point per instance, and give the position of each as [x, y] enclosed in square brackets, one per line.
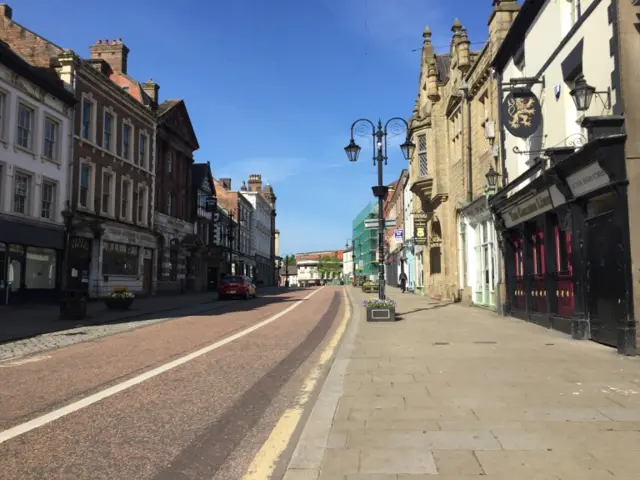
[212, 279]
[606, 280]
[147, 271]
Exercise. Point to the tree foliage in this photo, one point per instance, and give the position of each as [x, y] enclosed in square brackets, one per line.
[329, 266]
[289, 260]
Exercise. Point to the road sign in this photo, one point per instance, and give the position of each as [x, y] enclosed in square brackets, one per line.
[373, 224]
[398, 234]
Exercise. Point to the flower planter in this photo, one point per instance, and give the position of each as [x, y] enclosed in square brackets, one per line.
[381, 314]
[115, 303]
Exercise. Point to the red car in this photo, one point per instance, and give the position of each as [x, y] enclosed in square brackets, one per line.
[236, 286]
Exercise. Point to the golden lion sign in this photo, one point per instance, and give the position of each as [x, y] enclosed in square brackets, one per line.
[521, 113]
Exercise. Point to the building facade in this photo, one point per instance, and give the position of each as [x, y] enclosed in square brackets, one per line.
[564, 210]
[394, 210]
[408, 245]
[453, 128]
[176, 143]
[204, 257]
[365, 242]
[347, 264]
[260, 229]
[36, 127]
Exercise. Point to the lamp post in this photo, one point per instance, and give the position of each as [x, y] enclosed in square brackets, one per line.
[379, 156]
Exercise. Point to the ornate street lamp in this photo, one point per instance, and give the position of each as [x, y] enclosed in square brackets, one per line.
[582, 94]
[380, 135]
[492, 177]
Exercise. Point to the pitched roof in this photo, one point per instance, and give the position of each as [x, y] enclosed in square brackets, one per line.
[199, 172]
[167, 105]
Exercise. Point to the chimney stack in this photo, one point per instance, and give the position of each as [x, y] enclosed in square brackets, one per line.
[255, 183]
[226, 183]
[113, 52]
[151, 88]
[6, 11]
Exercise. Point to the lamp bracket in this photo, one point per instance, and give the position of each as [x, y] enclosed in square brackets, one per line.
[519, 83]
[576, 140]
[600, 94]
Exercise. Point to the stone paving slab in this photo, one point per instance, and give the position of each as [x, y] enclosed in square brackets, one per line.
[463, 393]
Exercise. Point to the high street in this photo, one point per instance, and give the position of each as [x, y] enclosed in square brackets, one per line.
[192, 397]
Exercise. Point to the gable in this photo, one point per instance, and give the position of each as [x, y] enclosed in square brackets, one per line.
[177, 119]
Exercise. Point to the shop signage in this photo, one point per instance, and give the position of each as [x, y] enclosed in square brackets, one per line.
[420, 231]
[398, 233]
[475, 209]
[211, 203]
[521, 113]
[528, 209]
[587, 179]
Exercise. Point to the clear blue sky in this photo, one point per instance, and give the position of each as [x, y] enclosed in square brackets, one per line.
[272, 86]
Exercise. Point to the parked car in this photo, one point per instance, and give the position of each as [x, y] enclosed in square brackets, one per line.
[236, 286]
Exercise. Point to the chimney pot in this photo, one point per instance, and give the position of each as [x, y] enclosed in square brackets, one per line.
[6, 11]
[114, 53]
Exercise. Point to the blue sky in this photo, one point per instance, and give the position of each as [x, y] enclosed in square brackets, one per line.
[272, 86]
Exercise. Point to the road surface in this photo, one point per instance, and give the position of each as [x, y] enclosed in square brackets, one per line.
[194, 397]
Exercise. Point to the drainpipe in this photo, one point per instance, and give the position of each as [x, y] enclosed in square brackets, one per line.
[469, 149]
[503, 168]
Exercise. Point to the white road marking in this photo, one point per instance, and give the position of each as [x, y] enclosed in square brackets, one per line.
[96, 397]
[16, 361]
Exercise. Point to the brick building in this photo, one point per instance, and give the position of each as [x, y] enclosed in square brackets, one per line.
[453, 128]
[111, 205]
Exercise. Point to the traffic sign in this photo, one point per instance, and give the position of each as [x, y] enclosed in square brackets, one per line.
[398, 234]
[373, 224]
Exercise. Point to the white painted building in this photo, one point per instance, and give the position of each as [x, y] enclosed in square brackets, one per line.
[347, 264]
[308, 273]
[410, 265]
[563, 206]
[260, 229]
[36, 114]
[585, 52]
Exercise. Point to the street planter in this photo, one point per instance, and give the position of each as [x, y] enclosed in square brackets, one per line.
[370, 287]
[119, 300]
[380, 310]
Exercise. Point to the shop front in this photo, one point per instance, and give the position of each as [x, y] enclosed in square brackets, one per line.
[566, 235]
[30, 262]
[408, 263]
[126, 258]
[479, 253]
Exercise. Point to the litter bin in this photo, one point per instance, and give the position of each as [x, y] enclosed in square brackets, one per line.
[73, 305]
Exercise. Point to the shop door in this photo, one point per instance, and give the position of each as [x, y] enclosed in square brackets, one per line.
[147, 269]
[212, 279]
[606, 286]
[79, 264]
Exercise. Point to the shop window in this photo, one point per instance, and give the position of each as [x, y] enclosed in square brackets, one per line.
[14, 269]
[40, 270]
[563, 254]
[538, 253]
[119, 259]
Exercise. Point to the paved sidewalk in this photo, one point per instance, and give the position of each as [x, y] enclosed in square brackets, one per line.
[463, 393]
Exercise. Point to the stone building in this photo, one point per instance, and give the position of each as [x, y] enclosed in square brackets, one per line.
[113, 170]
[36, 127]
[453, 130]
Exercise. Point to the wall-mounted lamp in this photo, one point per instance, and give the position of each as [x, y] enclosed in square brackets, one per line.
[492, 181]
[582, 94]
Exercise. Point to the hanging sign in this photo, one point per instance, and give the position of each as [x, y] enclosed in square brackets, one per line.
[211, 204]
[528, 209]
[420, 231]
[588, 179]
[398, 233]
[521, 113]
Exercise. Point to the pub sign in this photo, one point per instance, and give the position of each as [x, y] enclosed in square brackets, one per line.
[420, 231]
[521, 113]
[211, 204]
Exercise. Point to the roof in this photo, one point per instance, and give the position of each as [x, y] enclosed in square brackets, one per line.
[45, 78]
[199, 171]
[443, 60]
[167, 105]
